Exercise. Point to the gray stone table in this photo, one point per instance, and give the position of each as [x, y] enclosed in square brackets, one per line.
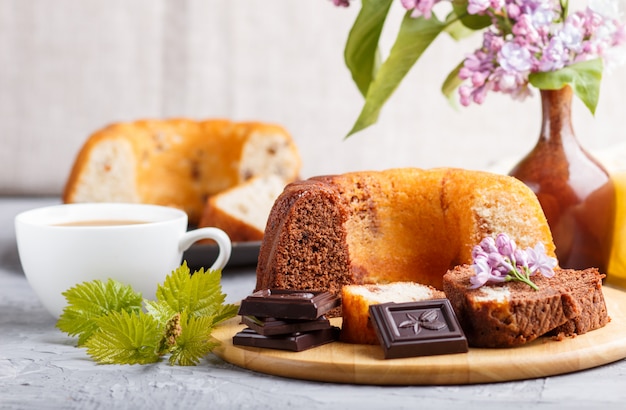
[40, 367]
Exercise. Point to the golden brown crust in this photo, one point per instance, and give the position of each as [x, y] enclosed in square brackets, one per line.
[238, 231]
[391, 213]
[356, 326]
[176, 162]
[480, 204]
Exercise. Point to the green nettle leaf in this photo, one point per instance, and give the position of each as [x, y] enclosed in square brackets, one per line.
[111, 325]
[584, 78]
[361, 51]
[224, 312]
[194, 341]
[174, 291]
[89, 301]
[200, 293]
[125, 338]
[414, 37]
[161, 311]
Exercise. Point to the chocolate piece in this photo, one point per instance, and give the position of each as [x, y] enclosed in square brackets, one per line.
[269, 326]
[423, 328]
[288, 304]
[296, 342]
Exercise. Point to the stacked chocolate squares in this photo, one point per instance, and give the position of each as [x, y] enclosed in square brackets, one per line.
[287, 319]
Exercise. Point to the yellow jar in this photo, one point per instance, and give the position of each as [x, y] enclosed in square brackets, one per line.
[616, 274]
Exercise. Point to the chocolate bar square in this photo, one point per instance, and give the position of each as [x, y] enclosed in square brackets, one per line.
[296, 342]
[269, 326]
[418, 328]
[288, 304]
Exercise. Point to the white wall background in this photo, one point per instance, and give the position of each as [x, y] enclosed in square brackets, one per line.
[68, 68]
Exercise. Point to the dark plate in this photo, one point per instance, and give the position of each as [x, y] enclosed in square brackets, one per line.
[203, 255]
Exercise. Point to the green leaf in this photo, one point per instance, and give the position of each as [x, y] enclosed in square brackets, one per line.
[584, 78]
[194, 342]
[451, 84]
[200, 293]
[471, 21]
[125, 338]
[456, 29]
[161, 311]
[361, 51]
[111, 325]
[89, 301]
[414, 37]
[565, 9]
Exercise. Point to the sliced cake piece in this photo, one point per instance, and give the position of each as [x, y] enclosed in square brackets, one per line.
[242, 211]
[356, 300]
[512, 313]
[588, 292]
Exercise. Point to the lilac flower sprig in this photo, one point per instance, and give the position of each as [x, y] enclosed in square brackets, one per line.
[526, 43]
[500, 260]
[535, 36]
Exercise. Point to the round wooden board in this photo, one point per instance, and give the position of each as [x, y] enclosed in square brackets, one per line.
[364, 364]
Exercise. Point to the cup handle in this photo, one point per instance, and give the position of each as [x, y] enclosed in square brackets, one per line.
[219, 236]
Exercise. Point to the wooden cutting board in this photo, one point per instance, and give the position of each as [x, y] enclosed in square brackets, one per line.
[364, 364]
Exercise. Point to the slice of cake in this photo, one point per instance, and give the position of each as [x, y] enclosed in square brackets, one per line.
[242, 210]
[512, 313]
[588, 291]
[356, 300]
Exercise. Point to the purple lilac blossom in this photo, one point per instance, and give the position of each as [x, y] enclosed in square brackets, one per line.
[478, 6]
[506, 246]
[554, 56]
[515, 57]
[341, 3]
[539, 261]
[529, 36]
[500, 260]
[536, 40]
[420, 7]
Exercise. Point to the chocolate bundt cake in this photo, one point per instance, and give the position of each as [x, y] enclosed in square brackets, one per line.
[398, 225]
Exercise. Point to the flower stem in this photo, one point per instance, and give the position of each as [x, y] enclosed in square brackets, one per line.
[514, 274]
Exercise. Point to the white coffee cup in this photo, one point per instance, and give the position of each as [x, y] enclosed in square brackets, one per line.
[56, 257]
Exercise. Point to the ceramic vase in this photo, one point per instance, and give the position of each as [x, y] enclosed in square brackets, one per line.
[574, 189]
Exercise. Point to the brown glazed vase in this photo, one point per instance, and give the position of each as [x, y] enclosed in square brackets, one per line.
[575, 191]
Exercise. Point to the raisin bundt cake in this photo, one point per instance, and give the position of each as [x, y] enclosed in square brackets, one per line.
[396, 225]
[178, 162]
